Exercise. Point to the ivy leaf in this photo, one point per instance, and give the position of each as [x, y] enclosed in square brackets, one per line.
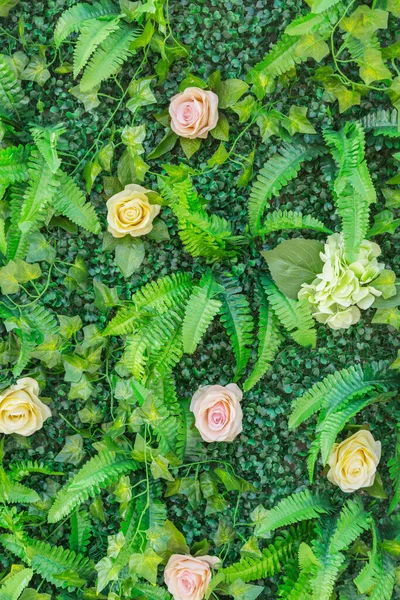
[225, 533]
[166, 144]
[244, 108]
[131, 167]
[15, 273]
[39, 249]
[104, 297]
[230, 91]
[294, 262]
[72, 452]
[159, 468]
[244, 591]
[364, 21]
[78, 277]
[140, 94]
[145, 565]
[36, 70]
[297, 121]
[192, 81]
[107, 570]
[90, 172]
[251, 548]
[372, 67]
[269, 124]
[313, 46]
[392, 197]
[90, 99]
[247, 172]
[385, 283]
[387, 316]
[105, 156]
[384, 222]
[69, 325]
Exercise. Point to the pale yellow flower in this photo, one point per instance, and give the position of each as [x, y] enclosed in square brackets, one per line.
[353, 462]
[130, 212]
[21, 410]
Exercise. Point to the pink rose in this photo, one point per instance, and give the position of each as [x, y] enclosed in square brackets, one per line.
[194, 113]
[187, 577]
[218, 412]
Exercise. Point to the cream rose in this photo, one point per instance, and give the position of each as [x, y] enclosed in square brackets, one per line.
[187, 577]
[218, 412]
[21, 411]
[194, 113]
[130, 212]
[353, 462]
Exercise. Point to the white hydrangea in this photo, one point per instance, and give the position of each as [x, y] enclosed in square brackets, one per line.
[342, 289]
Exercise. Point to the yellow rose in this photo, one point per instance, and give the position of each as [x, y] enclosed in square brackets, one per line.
[130, 212]
[218, 412]
[353, 463]
[194, 112]
[187, 577]
[21, 411]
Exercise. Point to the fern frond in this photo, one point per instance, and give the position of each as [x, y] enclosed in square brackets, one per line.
[152, 592]
[294, 315]
[39, 193]
[188, 442]
[108, 58]
[200, 311]
[300, 506]
[81, 530]
[158, 295]
[18, 242]
[281, 168]
[385, 581]
[352, 521]
[163, 360]
[14, 585]
[93, 33]
[273, 557]
[70, 201]
[23, 468]
[382, 122]
[394, 470]
[73, 19]
[12, 492]
[238, 321]
[269, 340]
[281, 58]
[95, 475]
[297, 588]
[11, 94]
[324, 581]
[13, 164]
[289, 219]
[52, 561]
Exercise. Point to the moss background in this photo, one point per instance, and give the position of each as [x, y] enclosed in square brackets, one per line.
[231, 36]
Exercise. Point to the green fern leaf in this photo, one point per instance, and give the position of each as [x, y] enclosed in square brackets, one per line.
[40, 191]
[353, 520]
[15, 584]
[13, 164]
[23, 468]
[288, 219]
[319, 6]
[158, 295]
[13, 492]
[163, 360]
[382, 122]
[301, 506]
[324, 581]
[200, 311]
[281, 58]
[73, 19]
[238, 321]
[298, 588]
[93, 33]
[188, 442]
[109, 57]
[70, 201]
[11, 94]
[51, 562]
[394, 470]
[269, 340]
[294, 315]
[385, 581]
[313, 456]
[96, 474]
[281, 168]
[273, 557]
[152, 592]
[18, 242]
[81, 530]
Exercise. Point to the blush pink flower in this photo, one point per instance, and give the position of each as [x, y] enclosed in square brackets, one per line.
[187, 577]
[194, 113]
[218, 412]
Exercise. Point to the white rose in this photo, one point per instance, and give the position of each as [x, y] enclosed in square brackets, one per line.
[21, 411]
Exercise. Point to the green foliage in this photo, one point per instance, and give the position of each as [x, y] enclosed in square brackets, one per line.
[95, 475]
[11, 94]
[200, 310]
[353, 188]
[394, 470]
[281, 168]
[280, 220]
[70, 201]
[81, 530]
[74, 18]
[297, 507]
[238, 321]
[272, 559]
[13, 164]
[15, 584]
